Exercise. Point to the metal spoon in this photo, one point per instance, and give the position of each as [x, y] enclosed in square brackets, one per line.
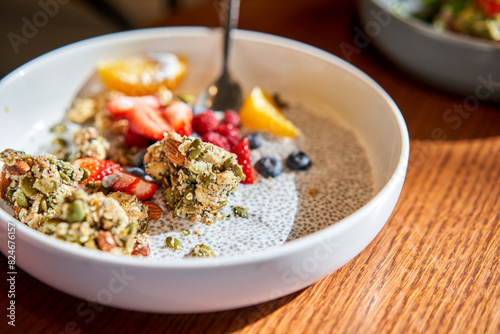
[225, 93]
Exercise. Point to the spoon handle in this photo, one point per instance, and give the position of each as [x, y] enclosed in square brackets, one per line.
[232, 8]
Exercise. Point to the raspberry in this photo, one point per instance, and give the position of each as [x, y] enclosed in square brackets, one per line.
[216, 139]
[232, 117]
[231, 133]
[205, 122]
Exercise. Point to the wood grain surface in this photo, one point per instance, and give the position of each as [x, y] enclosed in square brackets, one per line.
[434, 267]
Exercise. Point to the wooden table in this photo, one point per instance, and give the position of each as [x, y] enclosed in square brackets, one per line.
[433, 268]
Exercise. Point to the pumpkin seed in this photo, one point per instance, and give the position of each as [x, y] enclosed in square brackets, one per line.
[240, 211]
[10, 192]
[203, 251]
[173, 243]
[58, 128]
[21, 200]
[60, 142]
[26, 185]
[229, 162]
[90, 244]
[64, 177]
[43, 205]
[85, 174]
[143, 227]
[169, 197]
[238, 171]
[76, 212]
[195, 149]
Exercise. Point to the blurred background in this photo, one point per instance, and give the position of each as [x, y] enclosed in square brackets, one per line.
[33, 27]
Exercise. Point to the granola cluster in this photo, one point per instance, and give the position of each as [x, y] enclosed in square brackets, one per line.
[94, 221]
[198, 177]
[43, 194]
[89, 143]
[34, 185]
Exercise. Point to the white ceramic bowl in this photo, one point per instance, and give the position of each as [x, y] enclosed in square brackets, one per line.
[458, 63]
[37, 94]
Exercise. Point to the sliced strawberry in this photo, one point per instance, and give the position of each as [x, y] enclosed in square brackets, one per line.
[134, 185]
[143, 114]
[180, 116]
[98, 168]
[124, 181]
[121, 105]
[242, 151]
[147, 122]
[132, 139]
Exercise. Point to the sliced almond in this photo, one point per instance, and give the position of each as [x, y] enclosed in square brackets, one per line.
[16, 210]
[141, 250]
[154, 211]
[4, 184]
[173, 153]
[19, 168]
[105, 241]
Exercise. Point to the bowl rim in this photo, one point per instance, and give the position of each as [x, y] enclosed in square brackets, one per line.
[395, 181]
[426, 28]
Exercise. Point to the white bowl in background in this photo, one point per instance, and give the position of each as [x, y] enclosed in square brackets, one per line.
[37, 94]
[448, 60]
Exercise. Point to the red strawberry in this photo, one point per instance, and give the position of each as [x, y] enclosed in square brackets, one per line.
[134, 185]
[216, 139]
[232, 117]
[98, 168]
[180, 116]
[143, 114]
[147, 122]
[242, 151]
[205, 122]
[231, 133]
[132, 139]
[121, 105]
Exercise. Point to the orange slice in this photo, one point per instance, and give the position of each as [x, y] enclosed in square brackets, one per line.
[143, 75]
[259, 112]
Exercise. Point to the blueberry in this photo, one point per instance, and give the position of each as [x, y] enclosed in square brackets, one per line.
[269, 167]
[139, 172]
[255, 140]
[139, 159]
[298, 161]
